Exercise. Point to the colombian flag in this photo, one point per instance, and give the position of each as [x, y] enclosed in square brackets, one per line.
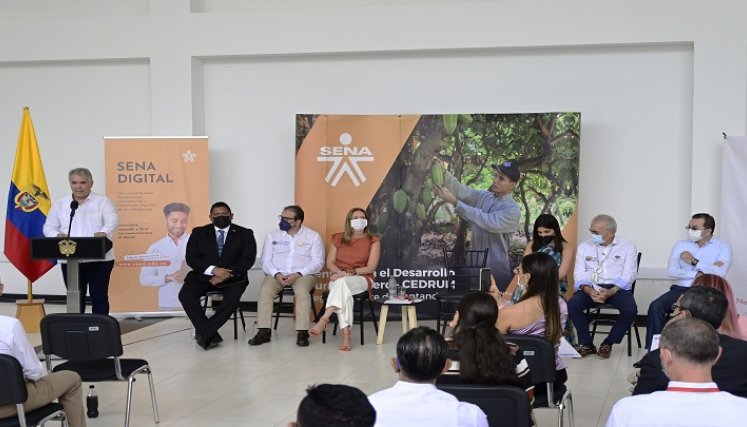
[28, 204]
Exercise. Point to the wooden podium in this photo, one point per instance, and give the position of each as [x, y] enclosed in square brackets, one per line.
[73, 250]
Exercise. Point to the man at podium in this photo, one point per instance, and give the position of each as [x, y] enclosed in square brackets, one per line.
[85, 213]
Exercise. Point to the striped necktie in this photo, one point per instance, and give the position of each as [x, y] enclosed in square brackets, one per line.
[221, 241]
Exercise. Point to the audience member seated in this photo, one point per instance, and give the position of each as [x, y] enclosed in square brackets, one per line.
[540, 312]
[606, 267]
[414, 400]
[484, 355]
[689, 349]
[351, 260]
[734, 324]
[700, 253]
[729, 372]
[334, 405]
[42, 389]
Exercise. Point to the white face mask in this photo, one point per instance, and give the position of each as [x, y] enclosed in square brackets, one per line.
[694, 235]
[358, 224]
[597, 239]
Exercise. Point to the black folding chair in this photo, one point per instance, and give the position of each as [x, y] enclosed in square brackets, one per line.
[540, 355]
[92, 346]
[358, 301]
[14, 392]
[464, 270]
[217, 297]
[596, 317]
[505, 405]
[288, 306]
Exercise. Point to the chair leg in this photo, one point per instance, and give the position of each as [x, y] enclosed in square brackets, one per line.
[571, 417]
[360, 314]
[373, 317]
[153, 397]
[241, 315]
[637, 336]
[277, 310]
[630, 341]
[130, 380]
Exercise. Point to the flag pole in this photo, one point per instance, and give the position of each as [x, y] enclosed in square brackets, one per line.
[28, 290]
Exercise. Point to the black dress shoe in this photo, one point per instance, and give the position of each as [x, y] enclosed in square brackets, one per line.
[208, 344]
[303, 339]
[263, 336]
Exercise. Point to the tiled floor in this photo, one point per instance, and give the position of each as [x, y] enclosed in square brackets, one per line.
[236, 384]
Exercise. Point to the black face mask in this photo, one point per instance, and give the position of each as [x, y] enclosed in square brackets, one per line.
[221, 221]
[284, 225]
[546, 240]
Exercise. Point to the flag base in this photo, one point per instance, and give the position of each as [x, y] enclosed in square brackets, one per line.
[30, 314]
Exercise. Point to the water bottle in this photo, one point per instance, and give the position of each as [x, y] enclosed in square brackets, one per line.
[392, 288]
[92, 403]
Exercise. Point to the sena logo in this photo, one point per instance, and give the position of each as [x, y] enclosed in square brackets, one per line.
[345, 161]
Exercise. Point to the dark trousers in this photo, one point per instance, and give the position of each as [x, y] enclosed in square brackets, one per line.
[190, 295]
[96, 274]
[658, 311]
[623, 301]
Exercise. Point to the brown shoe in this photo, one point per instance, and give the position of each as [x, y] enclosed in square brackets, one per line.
[585, 350]
[263, 336]
[604, 351]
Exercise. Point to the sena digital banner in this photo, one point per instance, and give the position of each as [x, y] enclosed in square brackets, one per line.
[390, 165]
[157, 184]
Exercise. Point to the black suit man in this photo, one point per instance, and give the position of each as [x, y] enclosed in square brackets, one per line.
[729, 372]
[220, 254]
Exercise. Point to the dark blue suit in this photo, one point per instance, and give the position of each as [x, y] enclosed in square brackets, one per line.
[239, 254]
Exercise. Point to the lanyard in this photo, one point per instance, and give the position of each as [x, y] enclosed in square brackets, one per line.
[694, 390]
[598, 271]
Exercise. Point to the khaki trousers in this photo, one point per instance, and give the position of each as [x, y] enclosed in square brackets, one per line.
[63, 386]
[301, 288]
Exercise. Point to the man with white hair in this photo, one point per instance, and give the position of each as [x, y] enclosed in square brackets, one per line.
[606, 267]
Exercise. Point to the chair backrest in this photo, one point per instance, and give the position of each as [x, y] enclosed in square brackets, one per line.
[13, 390]
[81, 337]
[464, 267]
[540, 355]
[637, 267]
[505, 405]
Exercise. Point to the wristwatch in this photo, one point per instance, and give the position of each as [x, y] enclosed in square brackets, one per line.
[694, 262]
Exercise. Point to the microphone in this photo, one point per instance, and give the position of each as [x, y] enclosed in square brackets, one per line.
[73, 207]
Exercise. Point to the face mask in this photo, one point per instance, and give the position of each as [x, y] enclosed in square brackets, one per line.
[694, 235]
[597, 239]
[546, 240]
[358, 224]
[284, 225]
[221, 221]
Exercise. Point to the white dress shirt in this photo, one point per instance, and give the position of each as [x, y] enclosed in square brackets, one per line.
[713, 251]
[411, 404]
[95, 214]
[614, 264]
[302, 253]
[682, 405]
[13, 342]
[173, 252]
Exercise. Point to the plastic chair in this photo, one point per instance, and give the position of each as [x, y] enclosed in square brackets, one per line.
[596, 317]
[505, 405]
[92, 346]
[14, 391]
[464, 269]
[288, 306]
[540, 355]
[215, 296]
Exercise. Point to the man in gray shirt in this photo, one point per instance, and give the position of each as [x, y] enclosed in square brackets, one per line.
[494, 215]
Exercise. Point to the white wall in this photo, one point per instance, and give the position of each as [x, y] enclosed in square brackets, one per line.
[656, 83]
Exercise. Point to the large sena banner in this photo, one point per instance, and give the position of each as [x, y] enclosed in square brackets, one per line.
[731, 224]
[388, 165]
[158, 186]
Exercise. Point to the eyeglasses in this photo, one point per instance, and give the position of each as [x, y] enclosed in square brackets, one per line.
[687, 227]
[595, 232]
[678, 307]
[220, 215]
[286, 218]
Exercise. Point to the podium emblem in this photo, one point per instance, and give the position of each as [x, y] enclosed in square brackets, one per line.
[67, 247]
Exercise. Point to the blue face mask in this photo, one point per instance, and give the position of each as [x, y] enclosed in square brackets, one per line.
[597, 239]
[284, 225]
